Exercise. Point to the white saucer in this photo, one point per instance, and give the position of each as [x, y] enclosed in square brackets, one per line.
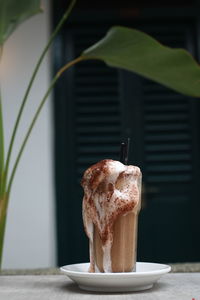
[145, 276]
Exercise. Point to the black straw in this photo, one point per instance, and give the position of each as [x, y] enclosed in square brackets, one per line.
[124, 151]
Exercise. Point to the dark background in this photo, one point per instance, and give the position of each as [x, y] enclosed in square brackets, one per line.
[97, 107]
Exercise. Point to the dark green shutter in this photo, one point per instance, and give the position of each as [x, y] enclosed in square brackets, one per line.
[95, 107]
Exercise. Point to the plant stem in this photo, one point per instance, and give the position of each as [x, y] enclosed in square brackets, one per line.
[64, 18]
[56, 77]
[3, 199]
[3, 214]
[1, 52]
[1, 148]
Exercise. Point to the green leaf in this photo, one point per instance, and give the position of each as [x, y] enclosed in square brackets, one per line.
[14, 12]
[136, 51]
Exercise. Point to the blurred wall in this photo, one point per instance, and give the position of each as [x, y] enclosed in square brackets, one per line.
[30, 231]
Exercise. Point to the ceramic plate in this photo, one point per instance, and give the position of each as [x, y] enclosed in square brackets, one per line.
[144, 278]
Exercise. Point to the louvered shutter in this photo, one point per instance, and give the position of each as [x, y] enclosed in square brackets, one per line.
[103, 106]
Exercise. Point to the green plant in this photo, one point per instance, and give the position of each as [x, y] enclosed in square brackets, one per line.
[121, 47]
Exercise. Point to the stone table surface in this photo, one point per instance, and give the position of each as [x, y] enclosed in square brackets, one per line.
[173, 286]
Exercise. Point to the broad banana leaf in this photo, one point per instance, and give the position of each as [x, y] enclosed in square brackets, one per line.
[13, 13]
[136, 51]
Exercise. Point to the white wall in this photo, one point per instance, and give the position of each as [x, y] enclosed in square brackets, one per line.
[30, 231]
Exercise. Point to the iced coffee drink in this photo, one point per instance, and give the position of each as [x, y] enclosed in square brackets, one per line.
[111, 205]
